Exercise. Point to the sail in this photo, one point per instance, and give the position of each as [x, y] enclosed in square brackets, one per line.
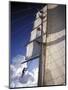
[33, 47]
[55, 50]
[54, 43]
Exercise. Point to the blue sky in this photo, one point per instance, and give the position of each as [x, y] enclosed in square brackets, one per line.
[22, 19]
[22, 16]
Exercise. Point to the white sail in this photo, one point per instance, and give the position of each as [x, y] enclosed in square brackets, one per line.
[33, 48]
[54, 25]
[55, 51]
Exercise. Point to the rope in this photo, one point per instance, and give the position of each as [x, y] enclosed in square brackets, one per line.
[22, 18]
[26, 16]
[22, 10]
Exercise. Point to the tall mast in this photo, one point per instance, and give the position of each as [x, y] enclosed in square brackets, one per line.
[41, 78]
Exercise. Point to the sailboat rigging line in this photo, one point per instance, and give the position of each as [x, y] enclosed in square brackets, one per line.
[24, 17]
[39, 24]
[30, 59]
[33, 58]
[28, 66]
[27, 16]
[24, 26]
[21, 10]
[34, 40]
[20, 29]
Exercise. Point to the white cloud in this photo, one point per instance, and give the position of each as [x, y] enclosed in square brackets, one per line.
[29, 78]
[35, 75]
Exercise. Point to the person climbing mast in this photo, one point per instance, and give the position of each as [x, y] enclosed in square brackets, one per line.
[23, 71]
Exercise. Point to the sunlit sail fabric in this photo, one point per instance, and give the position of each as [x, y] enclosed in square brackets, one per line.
[55, 51]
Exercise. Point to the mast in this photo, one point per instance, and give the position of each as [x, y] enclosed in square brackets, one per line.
[41, 78]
